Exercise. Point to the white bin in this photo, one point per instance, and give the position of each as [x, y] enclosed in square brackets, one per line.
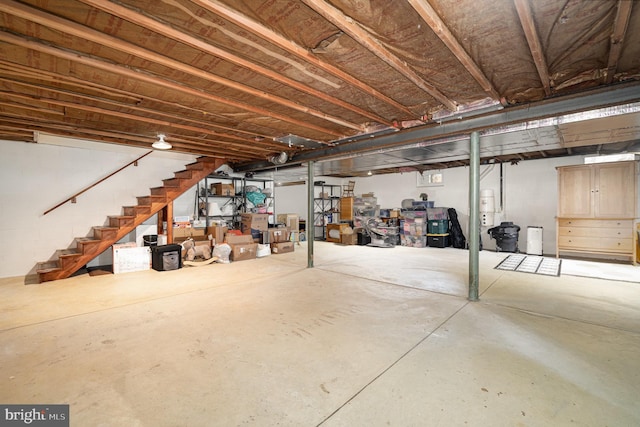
[534, 240]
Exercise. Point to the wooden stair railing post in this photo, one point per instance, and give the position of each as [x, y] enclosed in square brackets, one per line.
[72, 199]
[166, 214]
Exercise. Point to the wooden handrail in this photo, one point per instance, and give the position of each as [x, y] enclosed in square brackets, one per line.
[72, 199]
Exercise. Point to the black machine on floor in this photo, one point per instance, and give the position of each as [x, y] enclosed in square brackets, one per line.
[166, 257]
[506, 235]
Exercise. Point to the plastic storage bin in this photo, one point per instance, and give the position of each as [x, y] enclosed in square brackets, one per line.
[438, 226]
[166, 257]
[438, 240]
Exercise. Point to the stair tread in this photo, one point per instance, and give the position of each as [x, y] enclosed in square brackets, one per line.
[87, 240]
[69, 253]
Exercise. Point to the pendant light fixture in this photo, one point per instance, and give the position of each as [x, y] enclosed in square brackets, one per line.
[161, 144]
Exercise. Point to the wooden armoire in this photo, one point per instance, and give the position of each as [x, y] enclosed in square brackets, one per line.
[598, 209]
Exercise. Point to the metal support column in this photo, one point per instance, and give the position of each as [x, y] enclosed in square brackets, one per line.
[310, 225]
[474, 215]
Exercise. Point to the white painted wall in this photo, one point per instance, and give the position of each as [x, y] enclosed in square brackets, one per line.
[529, 195]
[36, 177]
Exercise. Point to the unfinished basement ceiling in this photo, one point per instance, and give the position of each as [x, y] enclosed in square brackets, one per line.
[249, 80]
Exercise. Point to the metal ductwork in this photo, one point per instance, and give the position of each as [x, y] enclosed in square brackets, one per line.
[279, 159]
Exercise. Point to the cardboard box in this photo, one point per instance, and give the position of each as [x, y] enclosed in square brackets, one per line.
[243, 251]
[237, 239]
[291, 221]
[280, 234]
[349, 239]
[242, 247]
[199, 223]
[220, 189]
[252, 221]
[282, 247]
[217, 232]
[188, 232]
[334, 231]
[128, 257]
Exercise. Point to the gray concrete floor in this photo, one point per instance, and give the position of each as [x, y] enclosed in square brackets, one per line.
[369, 337]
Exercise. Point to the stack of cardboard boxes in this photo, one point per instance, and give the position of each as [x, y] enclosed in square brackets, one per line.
[254, 224]
[255, 231]
[280, 239]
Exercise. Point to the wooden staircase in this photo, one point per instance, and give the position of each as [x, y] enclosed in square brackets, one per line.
[68, 261]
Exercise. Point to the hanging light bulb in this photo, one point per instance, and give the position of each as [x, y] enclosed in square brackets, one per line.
[161, 144]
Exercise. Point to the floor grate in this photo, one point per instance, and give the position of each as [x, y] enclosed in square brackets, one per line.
[531, 264]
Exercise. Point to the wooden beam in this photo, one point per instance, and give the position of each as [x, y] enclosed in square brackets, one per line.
[433, 20]
[27, 107]
[66, 129]
[156, 81]
[620, 25]
[293, 48]
[360, 35]
[11, 68]
[146, 113]
[132, 117]
[86, 33]
[537, 52]
[174, 34]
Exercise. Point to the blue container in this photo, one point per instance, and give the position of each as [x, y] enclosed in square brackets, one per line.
[423, 204]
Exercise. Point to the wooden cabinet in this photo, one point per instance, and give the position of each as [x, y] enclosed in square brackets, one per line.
[597, 191]
[615, 236]
[597, 209]
[346, 208]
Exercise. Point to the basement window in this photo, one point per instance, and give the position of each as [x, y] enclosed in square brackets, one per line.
[430, 179]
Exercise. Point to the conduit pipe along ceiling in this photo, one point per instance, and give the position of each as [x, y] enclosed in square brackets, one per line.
[314, 79]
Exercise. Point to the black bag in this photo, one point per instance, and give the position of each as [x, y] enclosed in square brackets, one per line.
[457, 237]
